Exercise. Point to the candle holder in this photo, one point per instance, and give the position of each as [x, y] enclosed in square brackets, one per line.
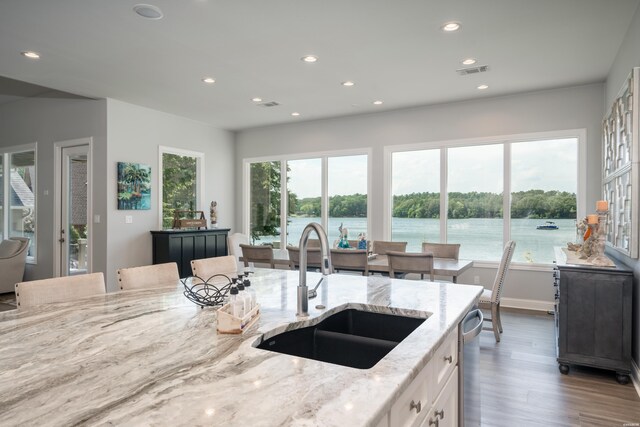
[598, 237]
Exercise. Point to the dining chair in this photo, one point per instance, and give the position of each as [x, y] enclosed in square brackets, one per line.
[148, 276]
[59, 289]
[401, 263]
[205, 268]
[233, 242]
[490, 298]
[257, 254]
[442, 250]
[314, 258]
[350, 260]
[381, 247]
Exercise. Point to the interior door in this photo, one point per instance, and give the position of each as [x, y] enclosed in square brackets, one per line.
[74, 228]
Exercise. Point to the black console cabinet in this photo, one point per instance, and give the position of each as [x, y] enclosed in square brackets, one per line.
[182, 246]
[593, 316]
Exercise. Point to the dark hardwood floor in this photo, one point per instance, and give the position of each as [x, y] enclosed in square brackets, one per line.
[521, 384]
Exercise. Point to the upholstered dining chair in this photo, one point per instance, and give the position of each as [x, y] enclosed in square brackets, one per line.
[381, 247]
[206, 268]
[490, 298]
[148, 276]
[442, 250]
[314, 258]
[401, 263]
[257, 254]
[13, 257]
[234, 241]
[350, 260]
[59, 289]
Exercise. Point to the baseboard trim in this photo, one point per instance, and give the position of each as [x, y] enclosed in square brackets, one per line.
[526, 304]
[635, 376]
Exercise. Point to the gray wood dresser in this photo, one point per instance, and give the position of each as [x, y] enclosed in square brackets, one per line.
[593, 316]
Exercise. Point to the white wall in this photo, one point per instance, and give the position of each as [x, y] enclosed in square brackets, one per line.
[560, 109]
[45, 121]
[628, 57]
[134, 135]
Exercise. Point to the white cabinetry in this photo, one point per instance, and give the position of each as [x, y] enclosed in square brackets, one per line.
[433, 394]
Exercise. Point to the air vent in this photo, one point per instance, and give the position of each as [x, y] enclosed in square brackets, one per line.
[269, 104]
[473, 70]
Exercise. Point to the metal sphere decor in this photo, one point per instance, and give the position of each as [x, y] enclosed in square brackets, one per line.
[202, 293]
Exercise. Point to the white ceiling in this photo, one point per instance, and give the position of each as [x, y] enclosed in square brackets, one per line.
[393, 51]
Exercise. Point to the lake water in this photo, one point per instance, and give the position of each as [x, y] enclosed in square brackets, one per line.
[481, 238]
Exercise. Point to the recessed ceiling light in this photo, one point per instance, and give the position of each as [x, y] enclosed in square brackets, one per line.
[348, 83]
[450, 26]
[483, 87]
[30, 54]
[256, 99]
[468, 61]
[148, 11]
[209, 80]
[309, 58]
[295, 114]
[377, 102]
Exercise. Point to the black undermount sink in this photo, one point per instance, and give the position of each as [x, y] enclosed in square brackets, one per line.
[354, 338]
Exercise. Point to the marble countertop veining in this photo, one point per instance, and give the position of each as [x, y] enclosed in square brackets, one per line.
[151, 357]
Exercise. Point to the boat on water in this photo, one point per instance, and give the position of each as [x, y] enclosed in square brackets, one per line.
[549, 225]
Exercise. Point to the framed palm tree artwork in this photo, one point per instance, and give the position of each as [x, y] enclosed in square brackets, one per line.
[134, 186]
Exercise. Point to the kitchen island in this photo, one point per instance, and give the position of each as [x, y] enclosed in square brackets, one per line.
[151, 357]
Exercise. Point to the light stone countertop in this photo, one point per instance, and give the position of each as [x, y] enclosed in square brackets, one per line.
[152, 357]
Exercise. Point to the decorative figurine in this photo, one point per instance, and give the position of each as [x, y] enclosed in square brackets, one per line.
[213, 213]
[362, 241]
[343, 242]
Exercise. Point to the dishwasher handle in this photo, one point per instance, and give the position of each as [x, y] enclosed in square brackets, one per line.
[469, 335]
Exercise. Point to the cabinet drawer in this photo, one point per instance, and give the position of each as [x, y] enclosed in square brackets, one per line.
[414, 403]
[445, 409]
[443, 362]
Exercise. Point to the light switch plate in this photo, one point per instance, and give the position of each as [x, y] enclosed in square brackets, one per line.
[128, 219]
[96, 219]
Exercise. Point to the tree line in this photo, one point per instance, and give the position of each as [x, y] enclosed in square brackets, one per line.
[536, 204]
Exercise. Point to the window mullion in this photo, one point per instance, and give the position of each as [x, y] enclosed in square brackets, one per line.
[506, 191]
[284, 203]
[324, 199]
[444, 195]
[6, 172]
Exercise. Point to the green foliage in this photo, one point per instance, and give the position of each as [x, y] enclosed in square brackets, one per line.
[179, 177]
[525, 204]
[265, 199]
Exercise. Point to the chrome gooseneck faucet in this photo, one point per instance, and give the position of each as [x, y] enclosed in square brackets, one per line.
[303, 290]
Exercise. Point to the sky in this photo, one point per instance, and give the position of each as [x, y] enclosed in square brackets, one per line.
[546, 165]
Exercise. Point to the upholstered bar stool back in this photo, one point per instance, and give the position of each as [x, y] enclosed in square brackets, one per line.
[205, 268]
[148, 276]
[59, 289]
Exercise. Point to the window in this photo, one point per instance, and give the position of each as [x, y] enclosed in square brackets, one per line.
[18, 195]
[304, 186]
[474, 212]
[182, 185]
[539, 173]
[264, 190]
[543, 197]
[415, 216]
[347, 191]
[340, 180]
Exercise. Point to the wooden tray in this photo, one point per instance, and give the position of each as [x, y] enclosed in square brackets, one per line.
[229, 324]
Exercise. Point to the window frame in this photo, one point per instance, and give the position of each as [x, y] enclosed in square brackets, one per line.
[200, 181]
[507, 141]
[324, 198]
[6, 153]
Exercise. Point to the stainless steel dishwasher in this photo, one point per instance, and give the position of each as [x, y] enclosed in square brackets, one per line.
[469, 393]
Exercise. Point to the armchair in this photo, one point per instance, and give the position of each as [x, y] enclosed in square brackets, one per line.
[13, 256]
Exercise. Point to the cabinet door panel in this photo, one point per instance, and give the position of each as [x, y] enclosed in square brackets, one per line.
[608, 323]
[581, 304]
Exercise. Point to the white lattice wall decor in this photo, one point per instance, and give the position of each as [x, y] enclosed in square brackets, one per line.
[621, 168]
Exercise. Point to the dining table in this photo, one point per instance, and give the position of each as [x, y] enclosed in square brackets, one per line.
[448, 267]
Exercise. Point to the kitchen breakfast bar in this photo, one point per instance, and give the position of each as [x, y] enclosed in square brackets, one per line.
[151, 357]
